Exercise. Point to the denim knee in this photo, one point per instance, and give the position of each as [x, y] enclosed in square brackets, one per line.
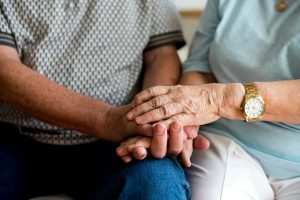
[155, 179]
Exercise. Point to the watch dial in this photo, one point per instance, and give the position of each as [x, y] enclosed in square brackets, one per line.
[254, 108]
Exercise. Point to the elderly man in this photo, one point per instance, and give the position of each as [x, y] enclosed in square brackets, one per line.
[68, 72]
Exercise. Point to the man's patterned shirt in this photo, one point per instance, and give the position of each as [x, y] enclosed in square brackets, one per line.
[94, 47]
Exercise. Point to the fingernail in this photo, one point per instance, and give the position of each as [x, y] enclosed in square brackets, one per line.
[159, 130]
[176, 126]
[143, 156]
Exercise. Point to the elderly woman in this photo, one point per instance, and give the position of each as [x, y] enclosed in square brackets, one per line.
[243, 87]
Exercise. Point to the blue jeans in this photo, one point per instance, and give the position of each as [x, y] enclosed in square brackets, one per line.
[89, 171]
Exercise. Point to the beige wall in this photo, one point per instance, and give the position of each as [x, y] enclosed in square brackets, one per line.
[190, 21]
[190, 11]
[191, 4]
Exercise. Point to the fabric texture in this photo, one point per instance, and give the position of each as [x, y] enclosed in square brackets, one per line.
[250, 41]
[91, 47]
[227, 172]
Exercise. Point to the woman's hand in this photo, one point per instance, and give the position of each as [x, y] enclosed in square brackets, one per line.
[189, 105]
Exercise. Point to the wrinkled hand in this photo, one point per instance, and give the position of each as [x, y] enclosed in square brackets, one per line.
[189, 105]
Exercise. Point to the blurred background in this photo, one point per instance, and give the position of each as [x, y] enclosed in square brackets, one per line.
[190, 12]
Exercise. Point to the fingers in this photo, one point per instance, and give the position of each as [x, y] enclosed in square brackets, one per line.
[148, 106]
[163, 112]
[183, 119]
[176, 139]
[140, 142]
[201, 143]
[127, 158]
[159, 141]
[150, 93]
[187, 153]
[139, 153]
[123, 149]
[137, 146]
[191, 131]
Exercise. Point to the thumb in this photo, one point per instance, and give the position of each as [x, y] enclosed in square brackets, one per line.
[201, 143]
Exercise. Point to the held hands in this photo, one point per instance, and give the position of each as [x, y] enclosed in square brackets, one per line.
[119, 129]
[178, 106]
[161, 146]
[187, 105]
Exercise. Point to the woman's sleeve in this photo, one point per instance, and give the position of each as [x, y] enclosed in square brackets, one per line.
[198, 59]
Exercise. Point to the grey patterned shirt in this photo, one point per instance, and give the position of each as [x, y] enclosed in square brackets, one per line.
[94, 47]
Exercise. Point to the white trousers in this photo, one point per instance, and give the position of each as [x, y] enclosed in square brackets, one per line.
[227, 172]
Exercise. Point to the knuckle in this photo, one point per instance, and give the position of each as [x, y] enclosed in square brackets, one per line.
[175, 119]
[137, 99]
[179, 88]
[164, 110]
[151, 91]
[189, 102]
[154, 103]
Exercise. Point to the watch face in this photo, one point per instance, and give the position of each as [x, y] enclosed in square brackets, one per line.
[254, 108]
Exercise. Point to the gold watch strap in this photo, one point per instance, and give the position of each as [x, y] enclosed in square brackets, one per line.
[250, 89]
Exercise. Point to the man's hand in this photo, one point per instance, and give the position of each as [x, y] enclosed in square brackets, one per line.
[199, 143]
[137, 147]
[118, 128]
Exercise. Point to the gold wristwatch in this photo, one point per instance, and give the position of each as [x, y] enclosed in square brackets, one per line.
[253, 105]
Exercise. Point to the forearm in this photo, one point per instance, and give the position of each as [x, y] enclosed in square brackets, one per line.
[196, 78]
[48, 101]
[162, 67]
[282, 99]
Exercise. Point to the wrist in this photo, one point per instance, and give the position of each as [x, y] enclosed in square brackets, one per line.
[116, 127]
[232, 98]
[102, 124]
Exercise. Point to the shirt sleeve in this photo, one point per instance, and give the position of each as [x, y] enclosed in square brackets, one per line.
[166, 27]
[198, 59]
[6, 35]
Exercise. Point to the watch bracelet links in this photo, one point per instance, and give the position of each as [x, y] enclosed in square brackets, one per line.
[250, 88]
